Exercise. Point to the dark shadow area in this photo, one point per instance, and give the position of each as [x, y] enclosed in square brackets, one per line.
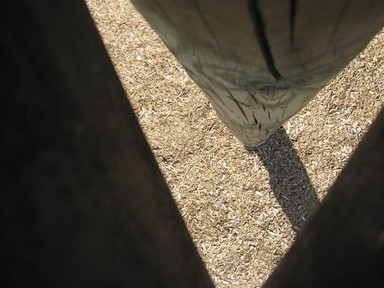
[288, 178]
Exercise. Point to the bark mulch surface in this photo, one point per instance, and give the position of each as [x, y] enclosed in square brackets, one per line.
[243, 209]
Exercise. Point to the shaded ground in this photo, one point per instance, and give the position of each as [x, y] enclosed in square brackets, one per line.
[242, 208]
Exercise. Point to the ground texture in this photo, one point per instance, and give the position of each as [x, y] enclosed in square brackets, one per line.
[242, 209]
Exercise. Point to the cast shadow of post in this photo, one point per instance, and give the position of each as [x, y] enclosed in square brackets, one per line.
[288, 178]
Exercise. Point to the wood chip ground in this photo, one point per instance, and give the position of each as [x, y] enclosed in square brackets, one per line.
[242, 209]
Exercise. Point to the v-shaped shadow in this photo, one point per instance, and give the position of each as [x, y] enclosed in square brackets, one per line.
[288, 178]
